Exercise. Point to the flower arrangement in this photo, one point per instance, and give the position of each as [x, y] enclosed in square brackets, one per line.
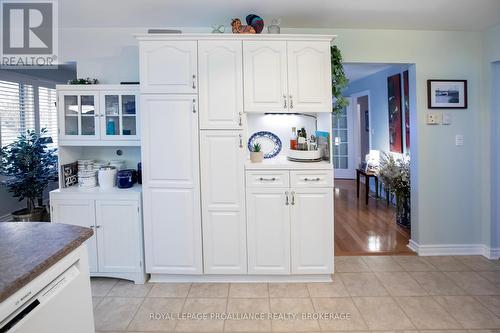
[395, 174]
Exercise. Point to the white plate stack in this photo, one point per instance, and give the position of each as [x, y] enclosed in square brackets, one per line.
[86, 174]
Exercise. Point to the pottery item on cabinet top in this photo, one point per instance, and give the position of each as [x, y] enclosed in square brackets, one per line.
[274, 28]
[238, 28]
[256, 22]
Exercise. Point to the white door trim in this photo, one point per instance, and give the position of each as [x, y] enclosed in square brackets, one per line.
[357, 158]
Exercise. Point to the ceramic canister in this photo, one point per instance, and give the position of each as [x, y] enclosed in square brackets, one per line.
[107, 177]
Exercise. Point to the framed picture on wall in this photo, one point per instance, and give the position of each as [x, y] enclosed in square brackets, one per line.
[395, 113]
[447, 94]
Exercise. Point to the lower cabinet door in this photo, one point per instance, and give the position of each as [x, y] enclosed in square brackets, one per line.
[172, 231]
[223, 202]
[77, 212]
[268, 231]
[119, 234]
[312, 230]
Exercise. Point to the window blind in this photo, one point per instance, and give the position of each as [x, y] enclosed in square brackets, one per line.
[17, 110]
[48, 112]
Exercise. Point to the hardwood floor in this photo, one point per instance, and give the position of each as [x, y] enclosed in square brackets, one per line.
[362, 229]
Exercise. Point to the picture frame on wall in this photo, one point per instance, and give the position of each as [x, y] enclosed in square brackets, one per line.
[447, 94]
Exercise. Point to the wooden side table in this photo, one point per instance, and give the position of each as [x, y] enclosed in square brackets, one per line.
[367, 175]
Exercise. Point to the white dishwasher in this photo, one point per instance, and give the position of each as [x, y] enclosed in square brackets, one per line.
[57, 301]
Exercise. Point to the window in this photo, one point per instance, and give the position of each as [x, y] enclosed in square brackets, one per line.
[25, 107]
[48, 112]
[17, 111]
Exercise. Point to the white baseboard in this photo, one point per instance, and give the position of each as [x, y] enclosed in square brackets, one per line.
[455, 250]
[161, 278]
[6, 218]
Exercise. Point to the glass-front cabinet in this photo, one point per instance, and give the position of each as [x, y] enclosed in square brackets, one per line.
[108, 113]
[119, 121]
[80, 119]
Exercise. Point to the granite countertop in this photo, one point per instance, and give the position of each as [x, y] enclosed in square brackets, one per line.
[27, 249]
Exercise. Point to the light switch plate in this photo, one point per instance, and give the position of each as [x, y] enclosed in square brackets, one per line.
[459, 140]
[434, 118]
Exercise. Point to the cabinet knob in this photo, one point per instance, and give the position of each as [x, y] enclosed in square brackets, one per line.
[241, 140]
[284, 102]
[293, 198]
[194, 81]
[291, 102]
[194, 105]
[240, 123]
[286, 198]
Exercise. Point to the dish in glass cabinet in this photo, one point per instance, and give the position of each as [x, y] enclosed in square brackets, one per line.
[270, 143]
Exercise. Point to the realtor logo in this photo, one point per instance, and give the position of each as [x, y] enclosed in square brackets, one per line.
[29, 33]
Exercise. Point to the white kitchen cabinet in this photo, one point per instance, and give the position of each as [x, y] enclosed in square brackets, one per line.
[80, 212]
[98, 115]
[268, 228]
[223, 201]
[309, 76]
[119, 116]
[311, 230]
[265, 76]
[79, 115]
[170, 153]
[170, 159]
[119, 235]
[115, 249]
[287, 76]
[168, 67]
[220, 68]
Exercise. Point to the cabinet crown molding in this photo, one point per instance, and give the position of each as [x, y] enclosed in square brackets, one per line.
[230, 36]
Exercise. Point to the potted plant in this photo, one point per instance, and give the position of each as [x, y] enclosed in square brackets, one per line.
[29, 167]
[395, 174]
[256, 155]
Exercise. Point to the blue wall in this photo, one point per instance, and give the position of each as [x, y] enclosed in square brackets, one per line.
[379, 114]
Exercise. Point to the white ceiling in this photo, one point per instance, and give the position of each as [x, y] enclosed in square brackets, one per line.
[474, 15]
[358, 71]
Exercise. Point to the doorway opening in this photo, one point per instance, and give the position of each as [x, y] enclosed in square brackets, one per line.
[372, 131]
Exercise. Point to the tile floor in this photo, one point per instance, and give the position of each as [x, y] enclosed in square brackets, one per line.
[419, 294]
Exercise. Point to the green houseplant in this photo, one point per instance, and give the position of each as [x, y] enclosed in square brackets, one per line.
[339, 81]
[256, 155]
[29, 166]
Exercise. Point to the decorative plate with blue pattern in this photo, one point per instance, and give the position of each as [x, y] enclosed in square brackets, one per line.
[270, 143]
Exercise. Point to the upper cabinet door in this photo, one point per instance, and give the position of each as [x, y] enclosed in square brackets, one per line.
[312, 230]
[79, 116]
[170, 141]
[309, 77]
[265, 76]
[221, 84]
[168, 67]
[119, 116]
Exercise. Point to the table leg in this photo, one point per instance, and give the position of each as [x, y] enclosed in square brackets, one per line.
[367, 188]
[376, 187]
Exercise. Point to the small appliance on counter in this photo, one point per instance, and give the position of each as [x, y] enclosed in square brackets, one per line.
[107, 177]
[126, 178]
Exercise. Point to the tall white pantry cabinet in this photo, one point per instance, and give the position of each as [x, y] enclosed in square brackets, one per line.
[205, 213]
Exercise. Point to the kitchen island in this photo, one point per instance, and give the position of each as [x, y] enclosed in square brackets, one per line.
[44, 278]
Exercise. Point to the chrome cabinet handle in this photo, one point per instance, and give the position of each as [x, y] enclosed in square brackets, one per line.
[97, 226]
[291, 102]
[92, 227]
[312, 179]
[194, 105]
[241, 140]
[293, 198]
[240, 123]
[194, 81]
[284, 101]
[262, 179]
[286, 198]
